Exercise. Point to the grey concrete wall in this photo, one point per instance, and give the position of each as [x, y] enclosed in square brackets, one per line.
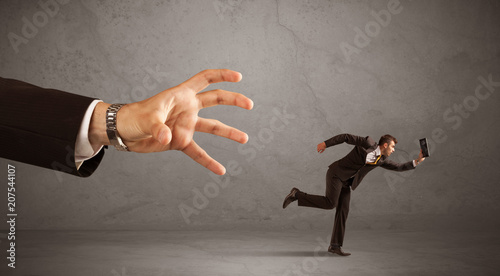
[314, 69]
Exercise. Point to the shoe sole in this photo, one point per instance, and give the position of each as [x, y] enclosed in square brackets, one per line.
[331, 252]
[287, 197]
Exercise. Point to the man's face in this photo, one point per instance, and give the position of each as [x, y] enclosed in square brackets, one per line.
[388, 148]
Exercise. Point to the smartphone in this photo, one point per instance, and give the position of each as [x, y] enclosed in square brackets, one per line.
[425, 147]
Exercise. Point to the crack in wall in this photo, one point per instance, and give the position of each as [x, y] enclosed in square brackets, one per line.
[296, 38]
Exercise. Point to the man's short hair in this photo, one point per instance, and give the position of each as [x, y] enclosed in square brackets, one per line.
[387, 139]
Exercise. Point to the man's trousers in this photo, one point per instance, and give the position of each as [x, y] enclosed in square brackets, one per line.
[337, 195]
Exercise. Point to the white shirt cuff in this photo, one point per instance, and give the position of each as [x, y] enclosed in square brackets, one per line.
[414, 163]
[83, 148]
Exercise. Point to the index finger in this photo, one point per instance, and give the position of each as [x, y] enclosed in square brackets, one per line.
[204, 78]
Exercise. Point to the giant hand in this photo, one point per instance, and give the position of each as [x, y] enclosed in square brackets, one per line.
[168, 120]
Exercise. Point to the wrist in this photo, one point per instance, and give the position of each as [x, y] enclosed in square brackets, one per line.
[97, 129]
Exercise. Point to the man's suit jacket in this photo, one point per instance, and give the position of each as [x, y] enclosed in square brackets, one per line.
[354, 163]
[39, 126]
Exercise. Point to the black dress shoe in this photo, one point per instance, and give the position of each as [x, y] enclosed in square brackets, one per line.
[338, 250]
[290, 197]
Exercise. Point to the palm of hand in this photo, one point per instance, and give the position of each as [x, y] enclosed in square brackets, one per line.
[179, 114]
[182, 121]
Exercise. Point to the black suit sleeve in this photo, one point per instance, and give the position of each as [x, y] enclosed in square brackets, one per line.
[39, 126]
[365, 142]
[391, 165]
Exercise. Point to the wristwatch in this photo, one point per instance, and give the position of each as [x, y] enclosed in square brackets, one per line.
[111, 130]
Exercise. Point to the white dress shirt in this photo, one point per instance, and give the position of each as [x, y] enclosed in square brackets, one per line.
[372, 156]
[83, 148]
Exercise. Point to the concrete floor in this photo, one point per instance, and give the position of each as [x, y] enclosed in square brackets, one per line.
[157, 253]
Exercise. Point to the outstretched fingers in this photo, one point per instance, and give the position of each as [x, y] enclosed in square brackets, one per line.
[204, 78]
[220, 129]
[199, 155]
[222, 97]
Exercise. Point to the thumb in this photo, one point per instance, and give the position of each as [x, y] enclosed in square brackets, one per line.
[161, 133]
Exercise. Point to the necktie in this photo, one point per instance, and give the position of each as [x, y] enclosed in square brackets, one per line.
[374, 163]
